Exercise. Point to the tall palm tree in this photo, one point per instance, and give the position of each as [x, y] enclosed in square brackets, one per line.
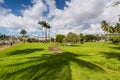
[111, 30]
[48, 27]
[105, 26]
[116, 3]
[44, 25]
[117, 28]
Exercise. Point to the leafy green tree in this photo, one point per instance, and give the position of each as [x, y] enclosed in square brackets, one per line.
[81, 38]
[59, 38]
[23, 32]
[90, 38]
[72, 37]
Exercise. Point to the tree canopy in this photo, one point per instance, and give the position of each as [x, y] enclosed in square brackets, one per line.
[72, 37]
[23, 32]
[59, 38]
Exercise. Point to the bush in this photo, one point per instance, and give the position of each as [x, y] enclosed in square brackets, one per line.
[90, 38]
[115, 39]
[31, 40]
[52, 39]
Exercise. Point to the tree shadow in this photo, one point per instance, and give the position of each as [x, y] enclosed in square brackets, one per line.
[23, 51]
[118, 48]
[50, 67]
[115, 55]
[1, 59]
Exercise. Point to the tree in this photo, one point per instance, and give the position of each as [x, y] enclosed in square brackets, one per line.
[72, 37]
[46, 26]
[117, 28]
[115, 3]
[105, 25]
[81, 38]
[59, 38]
[52, 39]
[43, 24]
[23, 32]
[90, 38]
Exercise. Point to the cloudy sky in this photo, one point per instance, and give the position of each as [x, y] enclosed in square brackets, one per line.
[79, 16]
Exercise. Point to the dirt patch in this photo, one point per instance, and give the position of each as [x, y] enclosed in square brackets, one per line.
[55, 49]
[4, 47]
[7, 46]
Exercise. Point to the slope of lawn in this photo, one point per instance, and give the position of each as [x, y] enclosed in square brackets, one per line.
[33, 61]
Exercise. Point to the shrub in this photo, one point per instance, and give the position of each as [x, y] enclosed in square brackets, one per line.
[115, 39]
[31, 40]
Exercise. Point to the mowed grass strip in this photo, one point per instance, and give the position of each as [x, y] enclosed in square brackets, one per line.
[33, 61]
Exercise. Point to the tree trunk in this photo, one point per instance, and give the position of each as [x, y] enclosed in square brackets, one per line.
[49, 34]
[23, 38]
[42, 34]
[45, 34]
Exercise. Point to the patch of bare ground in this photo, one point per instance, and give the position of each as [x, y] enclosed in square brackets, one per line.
[7, 46]
[54, 48]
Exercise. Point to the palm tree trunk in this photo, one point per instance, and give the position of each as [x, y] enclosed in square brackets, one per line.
[45, 34]
[49, 34]
[42, 34]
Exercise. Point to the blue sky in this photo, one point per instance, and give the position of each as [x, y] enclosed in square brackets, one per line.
[79, 16]
[17, 5]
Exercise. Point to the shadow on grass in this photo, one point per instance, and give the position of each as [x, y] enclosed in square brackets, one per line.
[22, 52]
[115, 55]
[1, 59]
[49, 67]
[118, 48]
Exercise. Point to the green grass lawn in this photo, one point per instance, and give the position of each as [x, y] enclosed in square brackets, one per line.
[33, 61]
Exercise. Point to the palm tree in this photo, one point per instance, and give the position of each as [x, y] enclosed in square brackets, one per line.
[44, 25]
[105, 26]
[111, 30]
[116, 3]
[48, 27]
[117, 28]
[23, 32]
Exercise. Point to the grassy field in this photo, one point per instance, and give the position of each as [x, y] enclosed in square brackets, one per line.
[33, 61]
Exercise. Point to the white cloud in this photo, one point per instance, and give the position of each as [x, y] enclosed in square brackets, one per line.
[1, 1]
[29, 19]
[82, 11]
[72, 19]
